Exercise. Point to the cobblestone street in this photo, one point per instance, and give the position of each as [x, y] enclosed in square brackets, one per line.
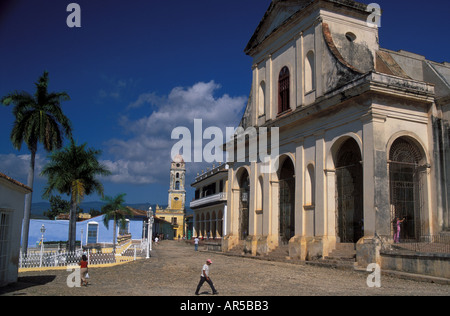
[175, 269]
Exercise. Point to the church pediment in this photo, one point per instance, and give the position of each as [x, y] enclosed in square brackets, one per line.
[279, 12]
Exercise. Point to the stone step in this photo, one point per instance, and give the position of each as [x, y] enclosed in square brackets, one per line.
[335, 264]
[345, 246]
[343, 251]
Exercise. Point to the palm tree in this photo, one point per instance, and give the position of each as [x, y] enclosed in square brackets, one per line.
[38, 119]
[73, 171]
[115, 210]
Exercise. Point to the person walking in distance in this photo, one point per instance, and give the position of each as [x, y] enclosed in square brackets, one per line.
[84, 270]
[205, 277]
[196, 243]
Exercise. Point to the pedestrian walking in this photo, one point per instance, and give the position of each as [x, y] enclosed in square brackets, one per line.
[196, 240]
[83, 270]
[205, 277]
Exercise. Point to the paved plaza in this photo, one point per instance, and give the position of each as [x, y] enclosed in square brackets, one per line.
[175, 268]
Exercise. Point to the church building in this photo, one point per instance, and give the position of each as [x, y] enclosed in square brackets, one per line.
[175, 211]
[363, 137]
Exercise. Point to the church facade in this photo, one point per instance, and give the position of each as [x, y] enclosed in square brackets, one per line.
[363, 137]
[175, 211]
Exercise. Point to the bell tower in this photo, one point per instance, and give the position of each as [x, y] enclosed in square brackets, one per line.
[177, 191]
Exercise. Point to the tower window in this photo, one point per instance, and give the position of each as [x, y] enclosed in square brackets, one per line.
[283, 90]
[177, 185]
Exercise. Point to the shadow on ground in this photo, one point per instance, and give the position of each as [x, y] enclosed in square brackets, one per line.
[27, 282]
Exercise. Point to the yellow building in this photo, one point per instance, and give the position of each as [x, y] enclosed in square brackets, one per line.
[175, 212]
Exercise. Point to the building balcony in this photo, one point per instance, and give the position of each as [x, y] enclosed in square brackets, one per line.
[209, 200]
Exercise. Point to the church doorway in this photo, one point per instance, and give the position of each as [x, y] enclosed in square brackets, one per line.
[405, 179]
[349, 189]
[287, 199]
[244, 199]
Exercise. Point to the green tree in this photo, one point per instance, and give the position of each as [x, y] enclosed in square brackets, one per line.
[73, 171]
[38, 119]
[57, 206]
[116, 211]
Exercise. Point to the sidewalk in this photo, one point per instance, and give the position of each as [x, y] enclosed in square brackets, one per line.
[174, 269]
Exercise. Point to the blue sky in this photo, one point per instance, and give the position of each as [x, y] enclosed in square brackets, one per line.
[137, 69]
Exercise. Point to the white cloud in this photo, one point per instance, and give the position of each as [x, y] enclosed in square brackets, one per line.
[18, 166]
[144, 157]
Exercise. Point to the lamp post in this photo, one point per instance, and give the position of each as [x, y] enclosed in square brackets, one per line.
[82, 239]
[42, 244]
[149, 231]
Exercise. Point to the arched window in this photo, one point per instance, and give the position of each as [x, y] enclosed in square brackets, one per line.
[262, 98]
[310, 76]
[283, 90]
[177, 185]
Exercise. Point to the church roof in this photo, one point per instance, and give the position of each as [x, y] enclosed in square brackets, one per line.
[281, 11]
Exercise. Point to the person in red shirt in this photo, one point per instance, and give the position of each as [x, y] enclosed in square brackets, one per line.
[83, 269]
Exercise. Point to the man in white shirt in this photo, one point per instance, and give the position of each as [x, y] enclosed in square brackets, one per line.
[205, 277]
[196, 243]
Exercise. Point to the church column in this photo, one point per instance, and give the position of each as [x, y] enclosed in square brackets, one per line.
[320, 190]
[270, 111]
[231, 215]
[375, 175]
[299, 69]
[274, 228]
[331, 201]
[322, 243]
[297, 244]
[252, 239]
[252, 201]
[194, 230]
[255, 93]
[299, 188]
[376, 190]
[319, 46]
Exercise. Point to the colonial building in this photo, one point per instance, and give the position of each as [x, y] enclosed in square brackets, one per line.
[363, 136]
[175, 211]
[210, 202]
[12, 197]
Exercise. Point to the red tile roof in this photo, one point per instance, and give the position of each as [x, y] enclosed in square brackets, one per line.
[4, 176]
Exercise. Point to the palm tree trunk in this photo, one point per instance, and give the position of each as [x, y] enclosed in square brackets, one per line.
[114, 237]
[27, 208]
[73, 224]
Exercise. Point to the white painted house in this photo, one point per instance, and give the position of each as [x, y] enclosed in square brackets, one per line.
[12, 199]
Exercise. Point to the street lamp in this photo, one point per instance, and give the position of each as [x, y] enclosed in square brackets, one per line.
[82, 239]
[149, 231]
[42, 244]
